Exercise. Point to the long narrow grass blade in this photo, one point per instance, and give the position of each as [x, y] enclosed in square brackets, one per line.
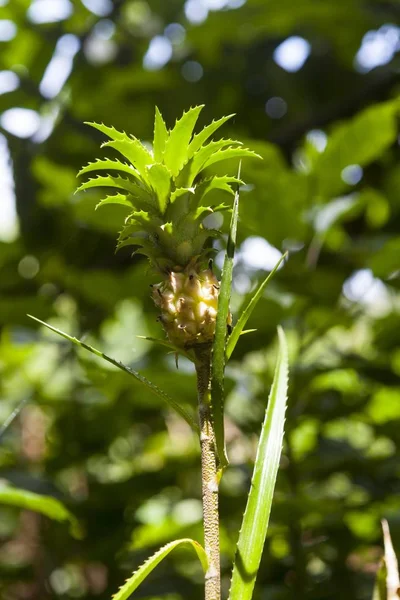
[151, 386]
[218, 354]
[246, 313]
[392, 579]
[256, 517]
[46, 505]
[140, 575]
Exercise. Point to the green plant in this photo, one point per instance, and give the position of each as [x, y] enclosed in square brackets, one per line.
[168, 196]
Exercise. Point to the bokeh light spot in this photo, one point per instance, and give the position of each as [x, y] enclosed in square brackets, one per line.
[158, 54]
[192, 71]
[9, 81]
[49, 11]
[352, 174]
[276, 107]
[8, 30]
[292, 53]
[28, 267]
[21, 122]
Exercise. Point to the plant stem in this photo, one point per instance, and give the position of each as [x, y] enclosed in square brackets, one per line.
[208, 475]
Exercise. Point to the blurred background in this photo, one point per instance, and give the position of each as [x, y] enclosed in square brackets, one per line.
[314, 86]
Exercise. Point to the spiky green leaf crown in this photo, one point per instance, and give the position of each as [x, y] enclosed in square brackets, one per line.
[164, 187]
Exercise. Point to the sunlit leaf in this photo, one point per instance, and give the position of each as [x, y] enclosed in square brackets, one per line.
[46, 505]
[140, 575]
[256, 517]
[160, 136]
[176, 147]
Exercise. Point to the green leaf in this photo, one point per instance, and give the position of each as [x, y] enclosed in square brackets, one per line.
[116, 199]
[178, 192]
[215, 183]
[358, 141]
[112, 181]
[108, 164]
[256, 517]
[218, 354]
[201, 137]
[147, 567]
[130, 147]
[196, 164]
[176, 147]
[160, 137]
[155, 389]
[46, 505]
[160, 180]
[246, 313]
[229, 153]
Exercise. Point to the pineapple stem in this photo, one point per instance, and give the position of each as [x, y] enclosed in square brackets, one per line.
[208, 474]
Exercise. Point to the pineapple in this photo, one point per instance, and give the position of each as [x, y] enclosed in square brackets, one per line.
[168, 198]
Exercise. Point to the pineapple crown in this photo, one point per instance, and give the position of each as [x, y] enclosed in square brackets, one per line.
[164, 188]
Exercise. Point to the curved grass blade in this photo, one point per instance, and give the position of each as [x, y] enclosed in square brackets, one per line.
[151, 386]
[46, 505]
[256, 517]
[218, 354]
[244, 317]
[140, 575]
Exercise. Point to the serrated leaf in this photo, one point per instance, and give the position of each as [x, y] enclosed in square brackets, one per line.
[151, 386]
[160, 136]
[112, 181]
[218, 353]
[140, 575]
[201, 137]
[181, 192]
[45, 505]
[176, 147]
[160, 180]
[108, 164]
[246, 313]
[116, 199]
[130, 147]
[196, 164]
[215, 183]
[256, 517]
[229, 153]
[134, 151]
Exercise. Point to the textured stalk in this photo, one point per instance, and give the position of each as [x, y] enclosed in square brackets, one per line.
[208, 475]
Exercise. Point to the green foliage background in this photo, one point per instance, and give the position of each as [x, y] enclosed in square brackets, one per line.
[89, 436]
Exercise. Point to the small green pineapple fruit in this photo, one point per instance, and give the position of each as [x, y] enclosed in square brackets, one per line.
[168, 200]
[188, 301]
